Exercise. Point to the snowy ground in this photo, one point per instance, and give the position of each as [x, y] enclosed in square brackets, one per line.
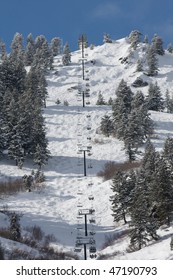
[55, 207]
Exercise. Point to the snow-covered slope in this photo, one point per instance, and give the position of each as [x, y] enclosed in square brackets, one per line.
[54, 208]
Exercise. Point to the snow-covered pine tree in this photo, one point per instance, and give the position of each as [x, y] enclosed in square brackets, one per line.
[146, 39]
[66, 58]
[154, 98]
[56, 46]
[152, 61]
[134, 38]
[168, 152]
[139, 66]
[157, 44]
[43, 57]
[122, 188]
[162, 192]
[100, 100]
[106, 125]
[107, 38]
[15, 229]
[169, 102]
[30, 50]
[3, 53]
[170, 48]
[1, 252]
[17, 48]
[121, 109]
[143, 226]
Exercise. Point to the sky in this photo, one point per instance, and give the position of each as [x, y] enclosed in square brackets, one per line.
[68, 19]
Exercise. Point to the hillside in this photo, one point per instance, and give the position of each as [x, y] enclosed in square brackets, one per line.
[54, 208]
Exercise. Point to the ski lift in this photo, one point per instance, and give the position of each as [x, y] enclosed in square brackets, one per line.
[92, 256]
[91, 197]
[92, 221]
[88, 103]
[90, 166]
[92, 249]
[88, 127]
[77, 250]
[92, 233]
[91, 211]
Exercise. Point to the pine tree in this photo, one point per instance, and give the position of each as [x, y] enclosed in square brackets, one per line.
[107, 38]
[168, 102]
[134, 38]
[168, 152]
[41, 155]
[56, 46]
[170, 48]
[146, 39]
[152, 62]
[100, 100]
[143, 227]
[17, 49]
[66, 58]
[139, 66]
[157, 44]
[121, 109]
[122, 188]
[106, 125]
[162, 192]
[1, 252]
[15, 229]
[3, 53]
[30, 50]
[43, 57]
[154, 99]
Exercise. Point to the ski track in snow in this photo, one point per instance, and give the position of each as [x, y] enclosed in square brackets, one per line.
[54, 208]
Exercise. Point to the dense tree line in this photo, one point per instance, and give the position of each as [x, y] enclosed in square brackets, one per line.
[145, 196]
[130, 121]
[23, 96]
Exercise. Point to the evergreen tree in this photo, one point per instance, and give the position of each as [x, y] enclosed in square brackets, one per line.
[121, 109]
[154, 99]
[122, 188]
[168, 152]
[106, 125]
[107, 38]
[1, 252]
[56, 46]
[3, 53]
[41, 154]
[100, 100]
[143, 226]
[152, 62]
[15, 229]
[169, 102]
[43, 57]
[139, 66]
[170, 48]
[30, 50]
[17, 49]
[134, 38]
[157, 44]
[66, 58]
[146, 39]
[162, 192]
